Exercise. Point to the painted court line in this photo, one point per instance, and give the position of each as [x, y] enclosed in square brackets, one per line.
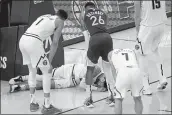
[106, 98]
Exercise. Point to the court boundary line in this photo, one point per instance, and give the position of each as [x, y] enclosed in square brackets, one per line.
[166, 111]
[106, 98]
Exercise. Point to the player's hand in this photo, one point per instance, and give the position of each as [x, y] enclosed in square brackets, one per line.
[50, 69]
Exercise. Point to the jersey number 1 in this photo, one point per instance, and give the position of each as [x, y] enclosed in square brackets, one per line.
[156, 4]
[126, 56]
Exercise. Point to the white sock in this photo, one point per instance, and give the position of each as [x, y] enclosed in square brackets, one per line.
[47, 102]
[33, 100]
[88, 91]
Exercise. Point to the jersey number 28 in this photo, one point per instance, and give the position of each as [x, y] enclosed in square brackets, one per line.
[97, 21]
[156, 4]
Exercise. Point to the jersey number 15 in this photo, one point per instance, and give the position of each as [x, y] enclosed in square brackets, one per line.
[156, 4]
[97, 21]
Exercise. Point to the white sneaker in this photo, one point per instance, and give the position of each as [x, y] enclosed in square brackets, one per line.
[14, 88]
[147, 92]
[16, 80]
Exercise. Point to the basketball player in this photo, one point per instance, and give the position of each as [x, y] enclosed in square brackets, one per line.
[128, 77]
[69, 75]
[100, 44]
[31, 46]
[149, 20]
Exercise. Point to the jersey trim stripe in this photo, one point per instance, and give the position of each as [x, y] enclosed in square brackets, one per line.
[140, 45]
[73, 76]
[54, 72]
[118, 92]
[33, 35]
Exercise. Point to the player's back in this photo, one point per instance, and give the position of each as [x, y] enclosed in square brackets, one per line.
[153, 12]
[124, 58]
[44, 26]
[95, 21]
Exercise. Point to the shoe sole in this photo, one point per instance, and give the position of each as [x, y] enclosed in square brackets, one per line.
[48, 113]
[90, 106]
[34, 110]
[112, 104]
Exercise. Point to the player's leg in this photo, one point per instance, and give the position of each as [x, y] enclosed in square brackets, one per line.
[92, 59]
[23, 78]
[138, 105]
[118, 106]
[26, 51]
[136, 89]
[39, 59]
[157, 58]
[89, 82]
[19, 79]
[162, 79]
[121, 87]
[32, 85]
[144, 40]
[110, 82]
[107, 65]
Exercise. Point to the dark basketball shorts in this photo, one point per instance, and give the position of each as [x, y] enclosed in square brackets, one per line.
[100, 45]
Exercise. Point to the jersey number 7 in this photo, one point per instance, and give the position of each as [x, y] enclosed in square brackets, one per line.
[126, 56]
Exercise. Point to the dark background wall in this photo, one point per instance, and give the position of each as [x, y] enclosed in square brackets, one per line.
[15, 21]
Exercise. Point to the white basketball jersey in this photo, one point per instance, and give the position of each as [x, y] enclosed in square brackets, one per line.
[44, 26]
[66, 72]
[123, 58]
[153, 12]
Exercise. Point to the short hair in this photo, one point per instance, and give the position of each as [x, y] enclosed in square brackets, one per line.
[62, 14]
[89, 4]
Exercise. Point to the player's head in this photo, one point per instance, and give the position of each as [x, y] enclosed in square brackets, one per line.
[89, 5]
[62, 14]
[101, 81]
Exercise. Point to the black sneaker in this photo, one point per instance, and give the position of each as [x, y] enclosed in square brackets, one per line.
[162, 86]
[110, 101]
[50, 110]
[14, 88]
[34, 107]
[89, 102]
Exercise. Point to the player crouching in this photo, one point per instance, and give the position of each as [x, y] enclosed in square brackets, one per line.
[69, 75]
[128, 77]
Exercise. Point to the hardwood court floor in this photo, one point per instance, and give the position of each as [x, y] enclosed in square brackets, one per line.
[71, 99]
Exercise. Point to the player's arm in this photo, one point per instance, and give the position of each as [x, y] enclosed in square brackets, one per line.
[137, 17]
[59, 24]
[83, 27]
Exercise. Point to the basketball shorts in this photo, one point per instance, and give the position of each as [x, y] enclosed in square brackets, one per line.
[33, 52]
[128, 78]
[149, 38]
[99, 46]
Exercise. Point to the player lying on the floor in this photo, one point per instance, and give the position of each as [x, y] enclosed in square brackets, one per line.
[69, 75]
